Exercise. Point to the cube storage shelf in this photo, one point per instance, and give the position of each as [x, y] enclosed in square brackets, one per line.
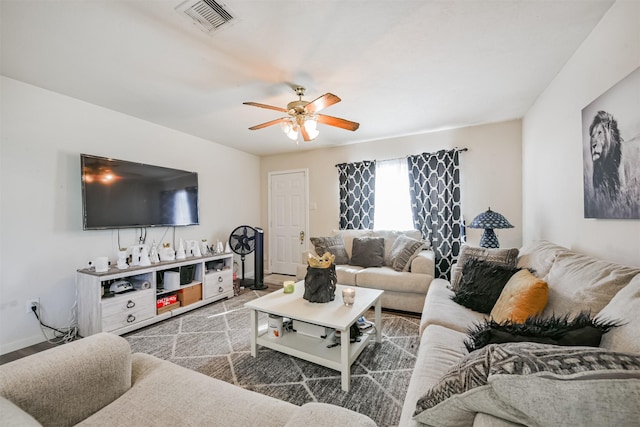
[119, 313]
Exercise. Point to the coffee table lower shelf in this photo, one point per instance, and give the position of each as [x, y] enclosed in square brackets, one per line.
[315, 349]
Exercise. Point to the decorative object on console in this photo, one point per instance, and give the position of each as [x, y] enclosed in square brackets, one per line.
[320, 280]
[193, 248]
[101, 264]
[153, 254]
[144, 256]
[167, 253]
[582, 330]
[489, 220]
[122, 259]
[227, 248]
[204, 247]
[180, 253]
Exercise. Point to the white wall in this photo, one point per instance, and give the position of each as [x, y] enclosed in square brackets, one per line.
[552, 143]
[42, 241]
[491, 174]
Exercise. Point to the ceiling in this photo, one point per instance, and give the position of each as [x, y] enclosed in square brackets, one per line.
[400, 67]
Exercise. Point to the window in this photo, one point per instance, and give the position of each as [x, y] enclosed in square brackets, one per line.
[393, 203]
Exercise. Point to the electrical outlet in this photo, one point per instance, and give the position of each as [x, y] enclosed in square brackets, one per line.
[31, 303]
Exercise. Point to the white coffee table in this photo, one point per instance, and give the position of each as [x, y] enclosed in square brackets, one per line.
[332, 314]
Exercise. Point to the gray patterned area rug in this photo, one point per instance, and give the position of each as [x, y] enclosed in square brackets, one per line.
[214, 340]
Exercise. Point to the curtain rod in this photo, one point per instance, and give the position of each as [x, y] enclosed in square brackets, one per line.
[459, 150]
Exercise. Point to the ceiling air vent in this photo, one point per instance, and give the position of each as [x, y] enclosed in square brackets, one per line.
[208, 15]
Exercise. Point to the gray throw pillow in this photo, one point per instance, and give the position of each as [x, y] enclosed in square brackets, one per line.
[367, 252]
[503, 380]
[403, 251]
[334, 245]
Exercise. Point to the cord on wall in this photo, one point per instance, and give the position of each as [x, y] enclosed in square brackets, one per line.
[61, 336]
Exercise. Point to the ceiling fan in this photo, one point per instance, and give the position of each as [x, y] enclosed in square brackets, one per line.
[303, 116]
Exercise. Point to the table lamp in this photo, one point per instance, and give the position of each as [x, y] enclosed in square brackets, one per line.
[489, 220]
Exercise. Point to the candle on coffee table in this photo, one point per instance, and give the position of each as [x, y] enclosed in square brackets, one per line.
[288, 286]
[348, 296]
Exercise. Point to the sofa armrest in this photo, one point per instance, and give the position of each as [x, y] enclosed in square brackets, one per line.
[424, 263]
[66, 384]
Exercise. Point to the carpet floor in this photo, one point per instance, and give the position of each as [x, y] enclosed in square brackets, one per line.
[215, 340]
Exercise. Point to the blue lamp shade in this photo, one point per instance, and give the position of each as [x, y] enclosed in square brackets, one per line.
[489, 220]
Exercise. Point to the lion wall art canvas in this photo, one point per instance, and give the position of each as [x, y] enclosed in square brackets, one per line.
[611, 152]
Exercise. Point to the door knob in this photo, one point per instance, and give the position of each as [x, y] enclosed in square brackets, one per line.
[301, 237]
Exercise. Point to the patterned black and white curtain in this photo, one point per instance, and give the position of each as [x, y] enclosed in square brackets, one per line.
[357, 184]
[435, 202]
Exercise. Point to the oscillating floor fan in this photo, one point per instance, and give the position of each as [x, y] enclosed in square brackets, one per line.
[244, 240]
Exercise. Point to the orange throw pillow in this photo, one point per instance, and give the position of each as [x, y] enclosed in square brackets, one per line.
[523, 296]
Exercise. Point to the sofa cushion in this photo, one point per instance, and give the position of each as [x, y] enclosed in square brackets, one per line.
[387, 279]
[585, 402]
[334, 245]
[523, 296]
[439, 309]
[506, 257]
[538, 256]
[404, 250]
[346, 274]
[477, 384]
[72, 371]
[12, 416]
[325, 415]
[367, 252]
[440, 348]
[579, 283]
[580, 331]
[481, 284]
[164, 393]
[625, 305]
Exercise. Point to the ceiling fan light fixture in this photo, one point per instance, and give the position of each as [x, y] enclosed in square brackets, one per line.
[303, 116]
[310, 125]
[290, 129]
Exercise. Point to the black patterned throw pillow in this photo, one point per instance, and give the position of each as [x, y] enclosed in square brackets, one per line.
[481, 284]
[582, 330]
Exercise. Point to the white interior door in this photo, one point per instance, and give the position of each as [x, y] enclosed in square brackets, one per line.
[288, 220]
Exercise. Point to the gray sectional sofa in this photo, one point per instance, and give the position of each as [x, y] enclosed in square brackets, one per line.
[96, 381]
[403, 290]
[576, 282]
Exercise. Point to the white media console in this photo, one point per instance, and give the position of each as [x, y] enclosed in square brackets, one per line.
[211, 279]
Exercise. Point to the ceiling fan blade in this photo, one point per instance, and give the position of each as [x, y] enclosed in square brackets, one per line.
[305, 134]
[268, 107]
[326, 100]
[337, 122]
[272, 122]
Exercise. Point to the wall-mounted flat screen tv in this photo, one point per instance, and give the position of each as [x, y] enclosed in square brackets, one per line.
[122, 194]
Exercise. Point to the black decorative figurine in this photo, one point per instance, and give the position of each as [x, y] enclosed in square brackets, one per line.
[320, 281]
